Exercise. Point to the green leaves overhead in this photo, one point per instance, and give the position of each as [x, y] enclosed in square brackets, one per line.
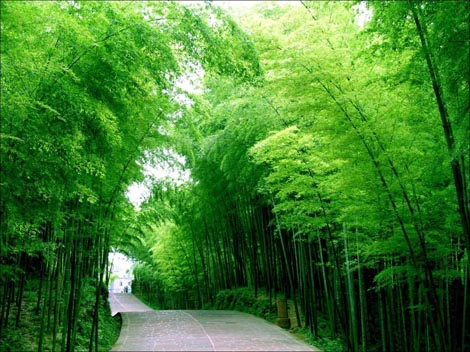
[328, 160]
[86, 89]
[87, 83]
[295, 178]
[332, 170]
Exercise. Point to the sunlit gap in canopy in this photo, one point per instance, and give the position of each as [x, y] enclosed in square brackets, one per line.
[162, 165]
[239, 8]
[363, 14]
[165, 164]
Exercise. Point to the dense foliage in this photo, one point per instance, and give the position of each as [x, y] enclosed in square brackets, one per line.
[340, 178]
[86, 87]
[328, 149]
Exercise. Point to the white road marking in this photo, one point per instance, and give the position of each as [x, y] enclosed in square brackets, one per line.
[202, 327]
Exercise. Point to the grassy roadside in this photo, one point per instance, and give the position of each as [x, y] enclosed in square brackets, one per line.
[142, 298]
[24, 337]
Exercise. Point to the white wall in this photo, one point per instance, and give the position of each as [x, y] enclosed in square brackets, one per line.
[121, 273]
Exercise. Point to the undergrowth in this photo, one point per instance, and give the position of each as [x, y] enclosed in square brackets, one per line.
[24, 337]
[145, 299]
[321, 341]
[243, 300]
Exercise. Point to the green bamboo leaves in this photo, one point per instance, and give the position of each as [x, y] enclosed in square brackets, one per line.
[296, 175]
[85, 89]
[329, 179]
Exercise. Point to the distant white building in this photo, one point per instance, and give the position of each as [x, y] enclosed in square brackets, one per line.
[121, 273]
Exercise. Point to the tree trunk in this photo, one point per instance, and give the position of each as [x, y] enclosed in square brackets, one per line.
[351, 300]
[457, 168]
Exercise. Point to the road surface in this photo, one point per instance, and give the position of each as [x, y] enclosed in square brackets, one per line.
[144, 329]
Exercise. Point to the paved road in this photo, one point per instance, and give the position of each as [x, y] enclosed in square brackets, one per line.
[124, 302]
[196, 330]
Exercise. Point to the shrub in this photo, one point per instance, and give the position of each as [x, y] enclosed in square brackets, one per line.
[243, 299]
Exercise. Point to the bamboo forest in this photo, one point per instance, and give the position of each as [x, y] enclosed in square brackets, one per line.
[237, 152]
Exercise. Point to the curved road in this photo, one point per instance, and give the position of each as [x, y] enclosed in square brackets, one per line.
[144, 329]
